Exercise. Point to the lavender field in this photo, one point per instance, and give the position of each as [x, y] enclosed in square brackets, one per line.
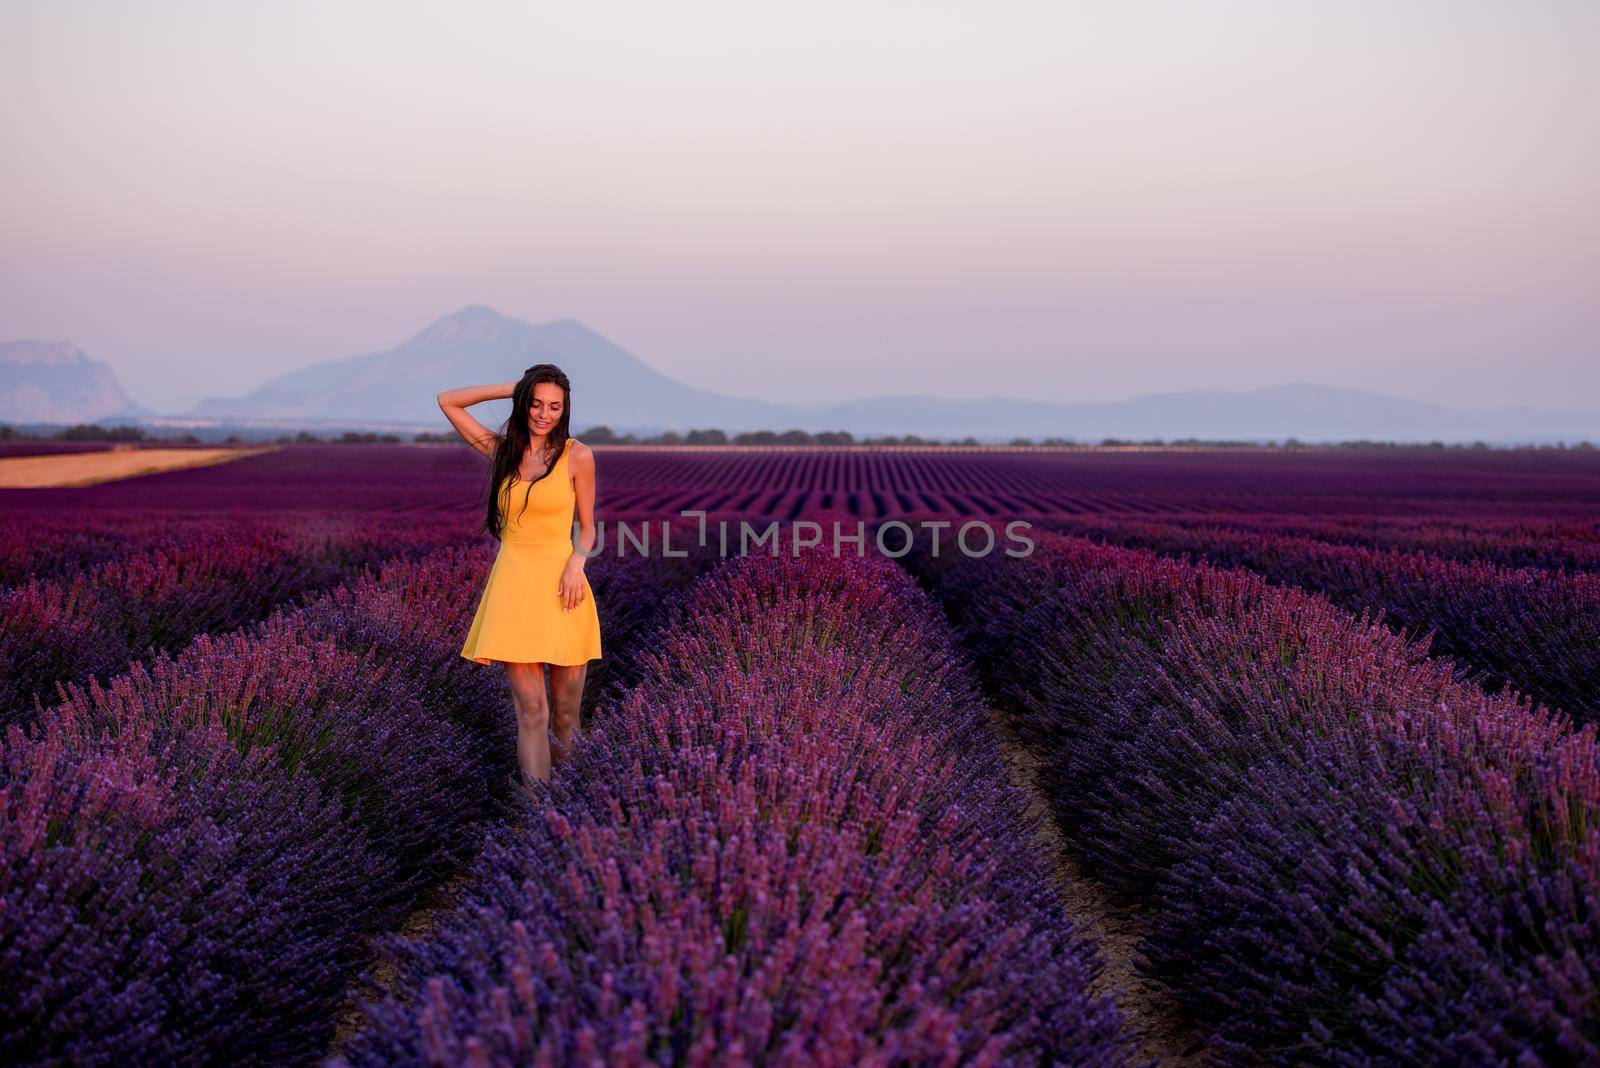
[1255, 757]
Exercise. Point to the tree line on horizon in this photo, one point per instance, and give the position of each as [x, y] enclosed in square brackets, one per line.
[604, 435]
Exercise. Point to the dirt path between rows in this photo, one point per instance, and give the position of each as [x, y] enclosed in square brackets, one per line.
[1149, 1009]
[421, 920]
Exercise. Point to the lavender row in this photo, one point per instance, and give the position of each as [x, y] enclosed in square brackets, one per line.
[1348, 855]
[793, 841]
[44, 545]
[184, 875]
[1570, 545]
[89, 624]
[48, 544]
[879, 483]
[197, 853]
[1534, 630]
[876, 483]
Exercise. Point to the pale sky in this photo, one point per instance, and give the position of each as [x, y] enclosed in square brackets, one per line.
[820, 201]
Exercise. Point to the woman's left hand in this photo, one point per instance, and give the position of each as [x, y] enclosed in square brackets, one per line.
[571, 591]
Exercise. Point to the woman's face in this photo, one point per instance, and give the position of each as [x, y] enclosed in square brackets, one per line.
[544, 410]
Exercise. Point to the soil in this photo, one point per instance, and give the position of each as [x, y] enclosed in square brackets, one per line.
[421, 920]
[1148, 1007]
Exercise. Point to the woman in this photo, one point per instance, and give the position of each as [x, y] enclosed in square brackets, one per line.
[537, 607]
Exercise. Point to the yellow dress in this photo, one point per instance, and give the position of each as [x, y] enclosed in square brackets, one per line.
[519, 617]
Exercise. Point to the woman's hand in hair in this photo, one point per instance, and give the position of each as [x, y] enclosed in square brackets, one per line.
[467, 396]
[454, 402]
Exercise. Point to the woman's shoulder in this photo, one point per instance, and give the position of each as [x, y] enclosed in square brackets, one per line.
[575, 451]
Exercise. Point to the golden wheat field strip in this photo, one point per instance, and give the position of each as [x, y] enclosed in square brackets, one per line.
[92, 468]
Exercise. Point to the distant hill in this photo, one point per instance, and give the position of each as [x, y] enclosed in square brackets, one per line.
[1303, 411]
[394, 390]
[477, 345]
[54, 382]
[613, 387]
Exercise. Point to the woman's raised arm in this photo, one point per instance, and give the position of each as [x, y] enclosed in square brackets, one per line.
[454, 402]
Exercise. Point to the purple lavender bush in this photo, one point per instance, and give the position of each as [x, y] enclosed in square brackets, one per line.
[322, 790]
[45, 545]
[632, 593]
[411, 617]
[1347, 854]
[164, 899]
[1548, 544]
[1427, 899]
[50, 631]
[416, 781]
[790, 843]
[90, 624]
[1531, 629]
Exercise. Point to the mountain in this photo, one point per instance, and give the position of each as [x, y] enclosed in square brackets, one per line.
[54, 382]
[1301, 410]
[477, 345]
[612, 387]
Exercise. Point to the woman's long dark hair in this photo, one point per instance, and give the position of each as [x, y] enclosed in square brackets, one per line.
[514, 438]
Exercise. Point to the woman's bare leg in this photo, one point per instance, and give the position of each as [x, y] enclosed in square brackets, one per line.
[533, 719]
[566, 699]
